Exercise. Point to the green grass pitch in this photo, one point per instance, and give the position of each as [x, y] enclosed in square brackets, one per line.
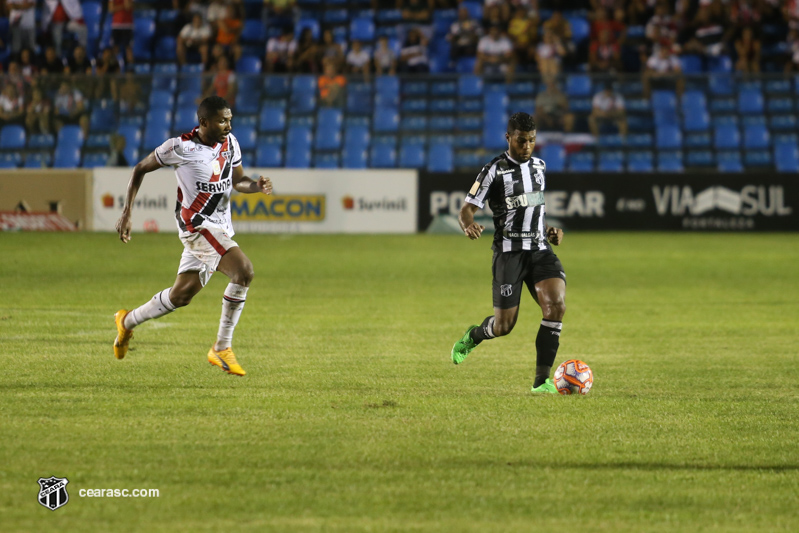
[352, 417]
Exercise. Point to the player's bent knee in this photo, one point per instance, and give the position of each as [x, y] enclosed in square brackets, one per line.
[554, 310]
[180, 300]
[503, 328]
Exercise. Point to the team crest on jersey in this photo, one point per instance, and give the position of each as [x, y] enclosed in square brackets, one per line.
[226, 154]
[506, 290]
[53, 492]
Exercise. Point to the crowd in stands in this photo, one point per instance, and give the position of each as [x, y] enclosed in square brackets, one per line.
[94, 51]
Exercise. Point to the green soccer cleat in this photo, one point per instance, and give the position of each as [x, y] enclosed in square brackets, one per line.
[547, 387]
[463, 347]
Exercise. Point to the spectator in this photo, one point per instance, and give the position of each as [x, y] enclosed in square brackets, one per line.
[417, 14]
[107, 69]
[52, 63]
[601, 23]
[130, 96]
[280, 13]
[607, 107]
[497, 11]
[37, 113]
[549, 54]
[413, 55]
[561, 30]
[116, 155]
[329, 48]
[22, 24]
[12, 106]
[384, 58]
[523, 33]
[358, 60]
[187, 10]
[604, 55]
[792, 65]
[70, 107]
[552, 109]
[64, 14]
[216, 13]
[306, 51]
[194, 38]
[662, 25]
[464, 35]
[495, 54]
[79, 63]
[26, 66]
[663, 69]
[223, 82]
[331, 86]
[229, 32]
[14, 77]
[121, 12]
[217, 51]
[279, 51]
[790, 10]
[639, 12]
[747, 47]
[705, 35]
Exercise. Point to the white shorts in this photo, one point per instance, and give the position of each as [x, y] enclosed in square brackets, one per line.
[203, 250]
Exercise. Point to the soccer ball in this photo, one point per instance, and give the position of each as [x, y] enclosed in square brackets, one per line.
[573, 377]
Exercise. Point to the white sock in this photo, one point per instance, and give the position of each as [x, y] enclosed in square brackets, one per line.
[232, 305]
[158, 306]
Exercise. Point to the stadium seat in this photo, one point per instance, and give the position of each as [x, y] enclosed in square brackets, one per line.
[184, 120]
[554, 155]
[443, 88]
[132, 134]
[699, 158]
[442, 105]
[354, 157]
[611, 161]
[356, 137]
[664, 101]
[756, 137]
[248, 65]
[640, 162]
[70, 135]
[144, 30]
[268, 155]
[98, 140]
[639, 140]
[386, 120]
[161, 99]
[783, 123]
[411, 156]
[12, 137]
[786, 157]
[721, 85]
[414, 88]
[253, 32]
[670, 161]
[580, 27]
[581, 161]
[668, 137]
[719, 64]
[750, 101]
[442, 123]
[757, 158]
[697, 140]
[475, 9]
[696, 120]
[10, 160]
[778, 86]
[692, 101]
[383, 156]
[691, 64]
[780, 105]
[578, 85]
[362, 29]
[298, 155]
[580, 105]
[388, 87]
[465, 65]
[440, 158]
[39, 140]
[470, 86]
[413, 123]
[165, 48]
[469, 122]
[494, 136]
[247, 136]
[413, 105]
[95, 160]
[729, 161]
[303, 23]
[326, 160]
[37, 160]
[279, 86]
[66, 157]
[470, 140]
[327, 138]
[496, 99]
[726, 137]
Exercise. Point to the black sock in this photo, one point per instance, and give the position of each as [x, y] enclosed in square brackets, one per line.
[546, 347]
[483, 331]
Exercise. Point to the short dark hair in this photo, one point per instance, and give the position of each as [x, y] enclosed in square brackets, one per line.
[211, 105]
[520, 121]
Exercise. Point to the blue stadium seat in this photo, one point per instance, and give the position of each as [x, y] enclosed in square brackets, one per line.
[469, 160]
[611, 161]
[581, 29]
[580, 105]
[302, 103]
[475, 8]
[554, 155]
[326, 160]
[757, 158]
[144, 30]
[750, 101]
[721, 85]
[383, 156]
[279, 86]
[470, 86]
[248, 65]
[729, 161]
[95, 160]
[496, 100]
[10, 160]
[413, 123]
[780, 105]
[253, 32]
[470, 140]
[354, 157]
[414, 88]
[440, 158]
[386, 120]
[442, 123]
[756, 137]
[697, 140]
[494, 136]
[132, 134]
[70, 135]
[37, 160]
[726, 137]
[327, 138]
[66, 157]
[385, 139]
[442, 105]
[521, 88]
[778, 86]
[443, 88]
[719, 64]
[415, 138]
[388, 87]
[413, 105]
[12, 137]
[98, 140]
[155, 135]
[663, 100]
[693, 100]
[298, 155]
[184, 120]
[465, 65]
[611, 141]
[638, 105]
[165, 48]
[668, 137]
[411, 156]
[670, 161]
[469, 122]
[39, 140]
[268, 155]
[640, 162]
[357, 137]
[700, 158]
[783, 123]
[691, 64]
[303, 84]
[362, 29]
[247, 136]
[162, 100]
[696, 120]
[303, 23]
[578, 85]
[786, 157]
[298, 136]
[581, 161]
[639, 140]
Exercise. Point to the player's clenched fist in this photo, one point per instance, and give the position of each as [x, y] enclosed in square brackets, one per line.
[265, 185]
[554, 235]
[474, 230]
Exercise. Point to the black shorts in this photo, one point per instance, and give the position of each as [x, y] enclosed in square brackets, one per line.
[511, 269]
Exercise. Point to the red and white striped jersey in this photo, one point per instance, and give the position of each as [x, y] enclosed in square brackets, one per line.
[205, 181]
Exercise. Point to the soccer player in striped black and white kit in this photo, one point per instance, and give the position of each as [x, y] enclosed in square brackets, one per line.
[207, 165]
[513, 184]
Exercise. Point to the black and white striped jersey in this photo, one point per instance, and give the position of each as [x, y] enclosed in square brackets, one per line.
[515, 193]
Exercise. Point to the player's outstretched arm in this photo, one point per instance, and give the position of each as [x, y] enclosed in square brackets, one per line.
[470, 228]
[554, 235]
[148, 164]
[248, 185]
